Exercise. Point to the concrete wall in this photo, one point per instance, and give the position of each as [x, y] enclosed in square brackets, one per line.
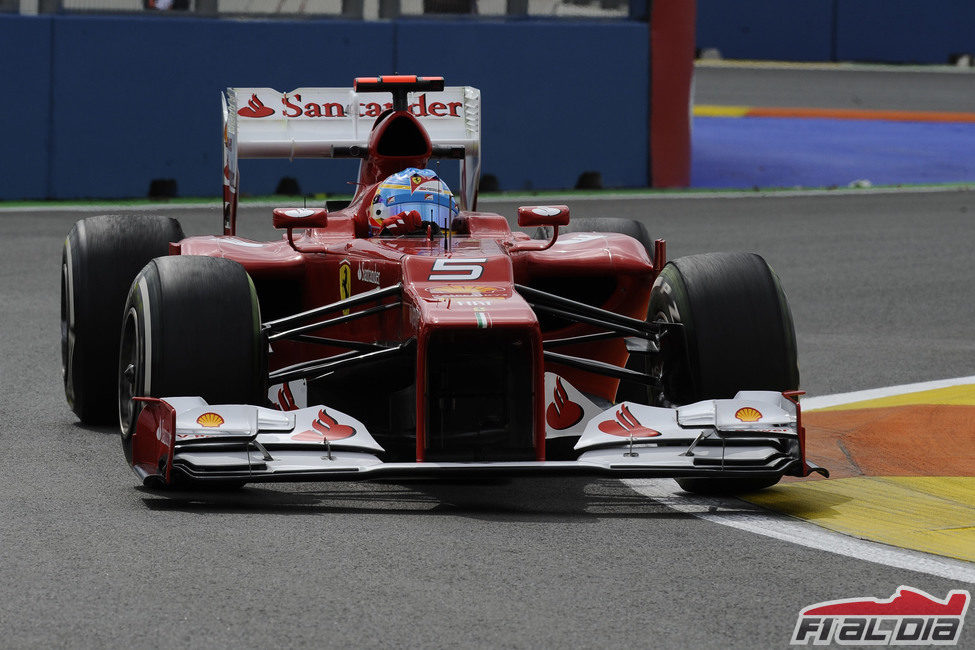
[891, 31]
[99, 106]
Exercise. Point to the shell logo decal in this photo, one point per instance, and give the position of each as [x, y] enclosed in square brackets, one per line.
[748, 414]
[209, 419]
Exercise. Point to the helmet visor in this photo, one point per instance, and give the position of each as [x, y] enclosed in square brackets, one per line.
[434, 207]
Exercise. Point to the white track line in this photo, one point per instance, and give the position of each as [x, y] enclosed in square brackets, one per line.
[742, 515]
[824, 401]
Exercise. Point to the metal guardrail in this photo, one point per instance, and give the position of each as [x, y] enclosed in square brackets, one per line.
[352, 9]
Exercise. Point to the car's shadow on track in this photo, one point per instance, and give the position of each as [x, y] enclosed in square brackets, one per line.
[108, 429]
[522, 499]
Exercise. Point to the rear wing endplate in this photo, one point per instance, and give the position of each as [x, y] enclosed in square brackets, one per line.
[336, 123]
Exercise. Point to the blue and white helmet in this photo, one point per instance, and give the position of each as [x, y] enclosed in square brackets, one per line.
[412, 189]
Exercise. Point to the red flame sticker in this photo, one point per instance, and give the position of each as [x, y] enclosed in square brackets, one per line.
[286, 400]
[626, 425]
[255, 108]
[562, 413]
[326, 428]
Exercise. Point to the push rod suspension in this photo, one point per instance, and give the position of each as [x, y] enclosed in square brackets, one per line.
[292, 333]
[331, 364]
[598, 367]
[354, 301]
[574, 309]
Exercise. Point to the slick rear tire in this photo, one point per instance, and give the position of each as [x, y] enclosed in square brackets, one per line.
[100, 257]
[737, 335]
[191, 328]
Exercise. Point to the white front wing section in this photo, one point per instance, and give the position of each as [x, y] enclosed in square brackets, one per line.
[754, 434]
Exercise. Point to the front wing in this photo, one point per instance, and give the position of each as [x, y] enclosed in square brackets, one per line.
[757, 434]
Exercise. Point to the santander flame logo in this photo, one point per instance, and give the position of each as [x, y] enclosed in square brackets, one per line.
[326, 428]
[286, 400]
[255, 108]
[626, 425]
[562, 413]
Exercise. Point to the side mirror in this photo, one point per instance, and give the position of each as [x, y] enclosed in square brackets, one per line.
[543, 215]
[300, 218]
[292, 218]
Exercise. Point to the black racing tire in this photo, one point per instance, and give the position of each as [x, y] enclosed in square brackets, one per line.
[192, 327]
[737, 327]
[631, 227]
[100, 257]
[738, 334]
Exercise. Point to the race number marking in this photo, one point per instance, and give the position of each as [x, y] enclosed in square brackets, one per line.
[459, 269]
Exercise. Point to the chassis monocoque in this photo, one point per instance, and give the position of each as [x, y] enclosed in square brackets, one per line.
[331, 355]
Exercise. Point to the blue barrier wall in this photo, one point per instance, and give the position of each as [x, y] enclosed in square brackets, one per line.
[889, 31]
[117, 101]
[904, 31]
[558, 98]
[25, 111]
[767, 29]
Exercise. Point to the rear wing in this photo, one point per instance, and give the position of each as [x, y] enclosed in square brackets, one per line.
[336, 123]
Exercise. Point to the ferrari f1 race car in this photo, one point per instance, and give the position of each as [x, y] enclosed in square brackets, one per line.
[409, 335]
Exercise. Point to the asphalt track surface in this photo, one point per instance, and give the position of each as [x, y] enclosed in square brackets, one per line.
[931, 88]
[880, 286]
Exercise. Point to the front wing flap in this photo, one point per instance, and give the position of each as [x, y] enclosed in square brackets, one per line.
[756, 434]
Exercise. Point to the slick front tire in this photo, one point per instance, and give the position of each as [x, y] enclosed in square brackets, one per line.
[101, 255]
[736, 328]
[191, 327]
[725, 486]
[735, 333]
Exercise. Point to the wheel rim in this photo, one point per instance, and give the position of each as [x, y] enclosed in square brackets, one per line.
[65, 323]
[129, 373]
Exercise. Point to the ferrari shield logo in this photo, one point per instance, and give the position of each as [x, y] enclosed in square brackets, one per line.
[345, 282]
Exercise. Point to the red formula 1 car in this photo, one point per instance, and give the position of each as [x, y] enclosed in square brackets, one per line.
[410, 335]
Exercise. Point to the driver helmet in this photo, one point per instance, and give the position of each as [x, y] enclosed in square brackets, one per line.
[412, 190]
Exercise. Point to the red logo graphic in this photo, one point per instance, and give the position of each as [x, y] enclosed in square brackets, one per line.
[562, 413]
[626, 426]
[909, 617]
[416, 181]
[326, 428]
[255, 108]
[286, 400]
[906, 601]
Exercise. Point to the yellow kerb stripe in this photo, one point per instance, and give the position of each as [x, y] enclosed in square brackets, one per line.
[929, 514]
[721, 111]
[963, 395]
